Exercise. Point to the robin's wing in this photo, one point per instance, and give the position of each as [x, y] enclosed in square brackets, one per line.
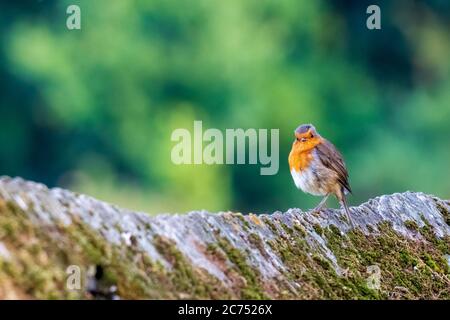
[332, 159]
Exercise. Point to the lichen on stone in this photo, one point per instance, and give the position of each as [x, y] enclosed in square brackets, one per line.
[291, 255]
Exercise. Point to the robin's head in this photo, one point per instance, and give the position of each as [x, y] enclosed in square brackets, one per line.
[306, 138]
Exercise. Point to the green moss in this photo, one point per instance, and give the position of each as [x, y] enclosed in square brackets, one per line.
[300, 229]
[120, 267]
[335, 230]
[286, 229]
[443, 244]
[252, 288]
[40, 262]
[186, 279]
[257, 242]
[429, 261]
[271, 225]
[243, 220]
[444, 211]
[418, 267]
[411, 224]
[318, 229]
[324, 263]
[402, 262]
[32, 268]
[407, 259]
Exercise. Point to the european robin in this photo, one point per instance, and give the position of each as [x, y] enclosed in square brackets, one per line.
[317, 167]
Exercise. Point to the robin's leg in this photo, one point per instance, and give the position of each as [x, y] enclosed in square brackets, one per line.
[343, 202]
[321, 204]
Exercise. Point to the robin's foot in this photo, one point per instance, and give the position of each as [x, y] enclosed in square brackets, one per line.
[349, 218]
[316, 211]
[320, 206]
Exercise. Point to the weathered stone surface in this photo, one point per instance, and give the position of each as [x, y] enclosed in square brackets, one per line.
[293, 255]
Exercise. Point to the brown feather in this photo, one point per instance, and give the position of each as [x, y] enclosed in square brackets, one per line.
[332, 159]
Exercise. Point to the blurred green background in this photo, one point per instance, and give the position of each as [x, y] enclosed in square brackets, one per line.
[93, 110]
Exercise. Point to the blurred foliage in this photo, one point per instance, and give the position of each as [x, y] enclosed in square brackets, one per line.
[93, 110]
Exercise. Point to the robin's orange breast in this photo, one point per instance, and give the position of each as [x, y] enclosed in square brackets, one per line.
[308, 174]
[299, 161]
